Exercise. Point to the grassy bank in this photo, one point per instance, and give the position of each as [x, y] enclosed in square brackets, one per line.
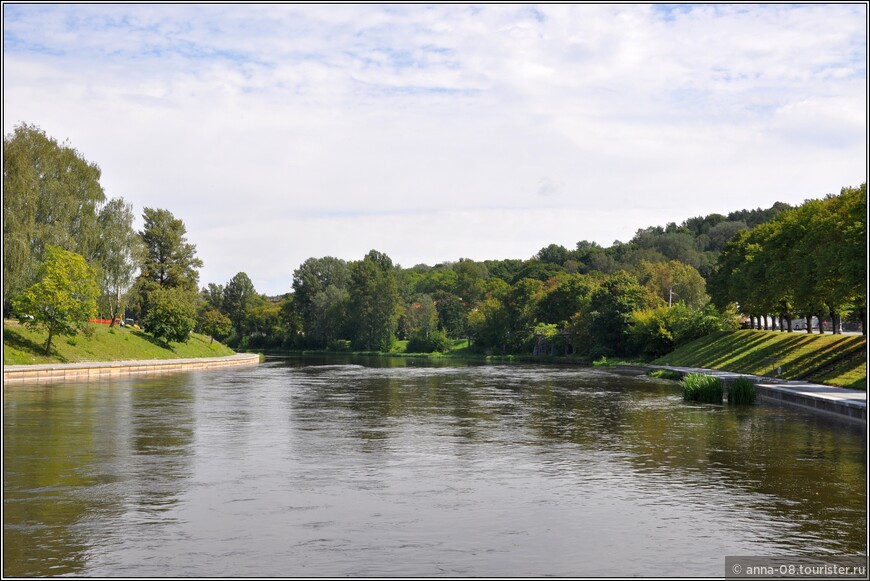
[839, 360]
[21, 346]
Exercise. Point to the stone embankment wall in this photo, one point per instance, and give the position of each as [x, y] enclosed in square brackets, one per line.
[55, 372]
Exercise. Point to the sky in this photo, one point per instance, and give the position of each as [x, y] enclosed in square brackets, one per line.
[280, 132]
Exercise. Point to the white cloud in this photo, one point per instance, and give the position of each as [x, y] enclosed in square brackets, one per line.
[435, 132]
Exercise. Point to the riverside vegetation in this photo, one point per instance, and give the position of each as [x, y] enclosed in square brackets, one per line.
[639, 299]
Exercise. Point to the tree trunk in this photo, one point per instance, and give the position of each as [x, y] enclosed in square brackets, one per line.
[810, 324]
[789, 323]
[765, 322]
[821, 318]
[48, 343]
[835, 322]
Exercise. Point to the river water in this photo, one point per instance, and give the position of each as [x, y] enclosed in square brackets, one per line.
[303, 467]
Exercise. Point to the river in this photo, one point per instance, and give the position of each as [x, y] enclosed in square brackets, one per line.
[397, 467]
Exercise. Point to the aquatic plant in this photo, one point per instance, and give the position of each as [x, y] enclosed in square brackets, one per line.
[702, 388]
[741, 392]
[666, 374]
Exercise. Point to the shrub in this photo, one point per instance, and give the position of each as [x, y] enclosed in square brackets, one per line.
[435, 341]
[741, 392]
[702, 388]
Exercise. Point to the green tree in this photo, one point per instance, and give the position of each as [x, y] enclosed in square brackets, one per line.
[374, 302]
[50, 197]
[238, 295]
[171, 315]
[321, 298]
[674, 281]
[565, 296]
[553, 254]
[63, 297]
[470, 278]
[213, 296]
[451, 313]
[263, 324]
[116, 254]
[215, 323]
[420, 317]
[169, 260]
[168, 263]
[611, 308]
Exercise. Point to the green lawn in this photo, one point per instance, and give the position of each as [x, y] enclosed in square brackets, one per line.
[830, 359]
[21, 346]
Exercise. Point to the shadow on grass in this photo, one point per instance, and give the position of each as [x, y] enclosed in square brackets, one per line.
[151, 339]
[18, 341]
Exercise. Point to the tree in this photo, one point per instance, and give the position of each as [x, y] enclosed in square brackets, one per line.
[611, 308]
[168, 263]
[374, 302]
[171, 315]
[674, 281]
[237, 297]
[169, 260]
[451, 313]
[321, 298]
[62, 299]
[115, 253]
[50, 197]
[420, 317]
[568, 295]
[213, 296]
[553, 254]
[215, 323]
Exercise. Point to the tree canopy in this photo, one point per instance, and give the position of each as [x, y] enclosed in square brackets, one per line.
[51, 196]
[63, 297]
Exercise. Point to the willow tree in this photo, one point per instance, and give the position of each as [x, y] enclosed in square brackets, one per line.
[51, 195]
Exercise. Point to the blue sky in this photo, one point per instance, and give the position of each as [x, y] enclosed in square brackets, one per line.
[435, 132]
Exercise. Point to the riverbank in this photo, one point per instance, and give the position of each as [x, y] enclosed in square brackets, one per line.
[89, 371]
[23, 346]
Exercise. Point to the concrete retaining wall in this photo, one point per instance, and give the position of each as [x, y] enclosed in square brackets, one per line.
[837, 408]
[56, 372]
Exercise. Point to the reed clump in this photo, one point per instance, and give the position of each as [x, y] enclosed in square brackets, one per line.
[741, 392]
[702, 388]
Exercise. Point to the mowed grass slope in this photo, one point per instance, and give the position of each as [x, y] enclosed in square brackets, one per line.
[21, 346]
[839, 360]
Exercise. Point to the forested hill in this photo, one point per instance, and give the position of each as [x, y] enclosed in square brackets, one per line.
[696, 242]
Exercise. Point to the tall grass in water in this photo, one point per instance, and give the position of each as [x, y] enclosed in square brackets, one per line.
[702, 388]
[741, 392]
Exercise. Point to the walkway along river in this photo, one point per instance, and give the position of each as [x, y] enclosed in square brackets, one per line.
[373, 467]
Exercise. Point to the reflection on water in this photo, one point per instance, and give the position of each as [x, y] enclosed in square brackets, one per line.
[305, 467]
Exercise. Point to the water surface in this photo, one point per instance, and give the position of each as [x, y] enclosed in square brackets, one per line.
[300, 468]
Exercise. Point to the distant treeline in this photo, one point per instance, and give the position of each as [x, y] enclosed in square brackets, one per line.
[641, 297]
